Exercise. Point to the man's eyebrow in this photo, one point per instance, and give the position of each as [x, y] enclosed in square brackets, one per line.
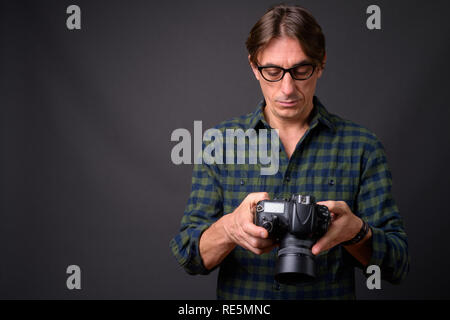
[269, 64]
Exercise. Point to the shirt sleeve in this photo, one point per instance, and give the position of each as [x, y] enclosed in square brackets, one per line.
[204, 207]
[377, 207]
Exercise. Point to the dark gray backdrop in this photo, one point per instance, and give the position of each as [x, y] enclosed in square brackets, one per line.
[87, 115]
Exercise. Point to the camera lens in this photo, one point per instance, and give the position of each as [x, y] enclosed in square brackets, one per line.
[295, 262]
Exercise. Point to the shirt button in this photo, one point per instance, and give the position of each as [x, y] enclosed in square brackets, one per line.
[287, 178]
[242, 182]
[331, 182]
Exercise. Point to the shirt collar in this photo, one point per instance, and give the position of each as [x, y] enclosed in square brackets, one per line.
[320, 114]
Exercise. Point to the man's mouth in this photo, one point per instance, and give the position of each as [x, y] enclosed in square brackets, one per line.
[287, 103]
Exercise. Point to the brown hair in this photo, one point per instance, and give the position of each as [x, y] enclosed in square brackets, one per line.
[291, 21]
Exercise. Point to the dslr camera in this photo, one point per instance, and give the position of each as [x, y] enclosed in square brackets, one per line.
[296, 224]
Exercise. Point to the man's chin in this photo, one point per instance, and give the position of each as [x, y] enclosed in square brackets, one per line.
[288, 112]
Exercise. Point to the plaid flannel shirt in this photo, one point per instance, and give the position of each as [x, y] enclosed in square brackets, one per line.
[337, 160]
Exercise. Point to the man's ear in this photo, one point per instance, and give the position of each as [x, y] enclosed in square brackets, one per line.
[254, 68]
[322, 67]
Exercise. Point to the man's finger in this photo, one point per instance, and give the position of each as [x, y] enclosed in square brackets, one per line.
[323, 244]
[254, 198]
[260, 248]
[334, 206]
[260, 243]
[329, 204]
[255, 231]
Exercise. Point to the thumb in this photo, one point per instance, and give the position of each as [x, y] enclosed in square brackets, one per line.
[317, 248]
[323, 244]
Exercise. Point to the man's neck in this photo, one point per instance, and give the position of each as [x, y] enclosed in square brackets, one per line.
[289, 126]
[290, 130]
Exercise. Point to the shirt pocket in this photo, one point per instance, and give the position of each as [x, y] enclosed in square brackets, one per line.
[334, 186]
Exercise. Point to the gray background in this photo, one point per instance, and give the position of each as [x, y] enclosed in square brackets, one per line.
[87, 116]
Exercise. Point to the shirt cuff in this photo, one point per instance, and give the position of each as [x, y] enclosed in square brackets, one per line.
[378, 247]
[187, 252]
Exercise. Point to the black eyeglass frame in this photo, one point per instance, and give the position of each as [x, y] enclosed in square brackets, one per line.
[290, 70]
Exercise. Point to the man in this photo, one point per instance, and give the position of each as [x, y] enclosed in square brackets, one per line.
[340, 163]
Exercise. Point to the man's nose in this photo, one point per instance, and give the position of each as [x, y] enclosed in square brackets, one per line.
[287, 84]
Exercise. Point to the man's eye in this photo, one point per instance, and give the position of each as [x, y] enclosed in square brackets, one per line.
[273, 72]
[302, 71]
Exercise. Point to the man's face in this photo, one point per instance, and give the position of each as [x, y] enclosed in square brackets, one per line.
[287, 99]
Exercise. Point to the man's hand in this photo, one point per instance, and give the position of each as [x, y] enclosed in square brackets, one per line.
[344, 226]
[241, 230]
[236, 228]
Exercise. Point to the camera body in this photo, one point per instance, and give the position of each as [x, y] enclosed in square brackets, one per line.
[296, 224]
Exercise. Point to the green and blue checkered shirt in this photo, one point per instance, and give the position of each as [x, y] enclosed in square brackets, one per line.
[337, 160]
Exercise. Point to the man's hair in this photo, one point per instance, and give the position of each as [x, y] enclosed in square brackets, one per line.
[287, 21]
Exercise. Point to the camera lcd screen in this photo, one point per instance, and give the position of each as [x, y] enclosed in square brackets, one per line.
[275, 207]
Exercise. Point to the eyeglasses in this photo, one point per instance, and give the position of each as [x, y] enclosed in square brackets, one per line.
[301, 71]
